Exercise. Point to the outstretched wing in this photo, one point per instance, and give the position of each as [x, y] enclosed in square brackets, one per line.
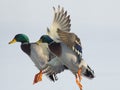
[61, 20]
[71, 40]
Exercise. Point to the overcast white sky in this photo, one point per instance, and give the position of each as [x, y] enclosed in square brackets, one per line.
[96, 22]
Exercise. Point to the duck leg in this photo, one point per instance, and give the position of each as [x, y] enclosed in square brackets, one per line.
[79, 74]
[38, 77]
[79, 78]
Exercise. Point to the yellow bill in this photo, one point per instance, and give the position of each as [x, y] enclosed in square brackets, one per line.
[13, 41]
[39, 41]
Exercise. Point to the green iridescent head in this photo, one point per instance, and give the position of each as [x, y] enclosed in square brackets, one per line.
[20, 38]
[45, 39]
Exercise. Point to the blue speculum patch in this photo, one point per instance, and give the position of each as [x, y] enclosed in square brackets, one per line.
[78, 47]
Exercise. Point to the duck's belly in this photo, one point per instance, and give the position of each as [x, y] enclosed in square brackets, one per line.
[69, 59]
[38, 57]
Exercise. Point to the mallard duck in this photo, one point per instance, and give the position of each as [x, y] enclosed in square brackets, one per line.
[68, 48]
[35, 52]
[69, 51]
[40, 54]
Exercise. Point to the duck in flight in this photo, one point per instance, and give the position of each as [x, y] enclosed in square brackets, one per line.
[40, 54]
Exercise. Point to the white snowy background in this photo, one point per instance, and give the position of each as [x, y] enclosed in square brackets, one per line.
[96, 22]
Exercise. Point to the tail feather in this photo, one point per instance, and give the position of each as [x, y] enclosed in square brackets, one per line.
[89, 72]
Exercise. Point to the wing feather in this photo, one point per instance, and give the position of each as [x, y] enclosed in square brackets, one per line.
[71, 40]
[61, 20]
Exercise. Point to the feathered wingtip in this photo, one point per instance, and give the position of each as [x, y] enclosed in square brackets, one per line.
[58, 10]
[61, 19]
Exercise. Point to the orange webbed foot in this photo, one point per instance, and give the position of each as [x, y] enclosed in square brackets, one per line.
[79, 78]
[38, 77]
[79, 74]
[79, 84]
